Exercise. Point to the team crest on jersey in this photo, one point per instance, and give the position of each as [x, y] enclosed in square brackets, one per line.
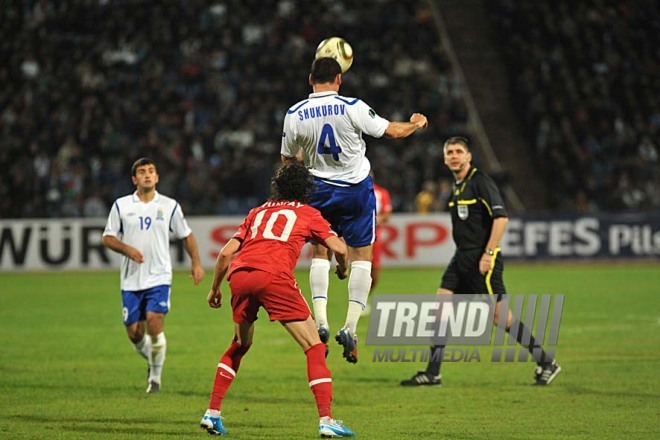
[159, 215]
[463, 212]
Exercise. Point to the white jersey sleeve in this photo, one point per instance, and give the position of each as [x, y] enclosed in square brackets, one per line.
[328, 129]
[113, 225]
[178, 224]
[366, 119]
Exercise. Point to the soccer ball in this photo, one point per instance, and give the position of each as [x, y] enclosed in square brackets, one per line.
[338, 49]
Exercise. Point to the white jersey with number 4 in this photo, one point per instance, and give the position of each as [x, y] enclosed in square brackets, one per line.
[146, 227]
[328, 129]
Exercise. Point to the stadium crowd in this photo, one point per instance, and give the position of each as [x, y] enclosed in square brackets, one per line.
[586, 78]
[202, 87]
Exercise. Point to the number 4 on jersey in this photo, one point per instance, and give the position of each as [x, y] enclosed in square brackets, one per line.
[332, 148]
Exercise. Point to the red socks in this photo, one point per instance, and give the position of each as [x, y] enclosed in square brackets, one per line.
[319, 376]
[320, 380]
[224, 376]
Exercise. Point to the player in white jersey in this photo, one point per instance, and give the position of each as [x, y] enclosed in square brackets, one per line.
[139, 227]
[325, 132]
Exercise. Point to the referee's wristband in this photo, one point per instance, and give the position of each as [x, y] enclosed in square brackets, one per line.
[489, 252]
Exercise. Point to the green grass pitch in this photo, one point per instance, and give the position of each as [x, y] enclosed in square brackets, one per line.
[67, 370]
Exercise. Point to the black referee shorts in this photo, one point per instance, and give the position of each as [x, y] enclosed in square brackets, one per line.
[462, 275]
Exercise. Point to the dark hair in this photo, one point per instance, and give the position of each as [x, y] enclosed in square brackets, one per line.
[457, 140]
[141, 162]
[324, 70]
[292, 182]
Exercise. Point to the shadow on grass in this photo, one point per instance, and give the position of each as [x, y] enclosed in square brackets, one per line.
[103, 389]
[106, 420]
[582, 390]
[122, 424]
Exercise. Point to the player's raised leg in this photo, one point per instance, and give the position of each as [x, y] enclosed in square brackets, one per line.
[359, 285]
[319, 280]
[359, 234]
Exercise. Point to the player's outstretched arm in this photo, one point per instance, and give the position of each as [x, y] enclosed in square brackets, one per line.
[214, 297]
[113, 243]
[398, 130]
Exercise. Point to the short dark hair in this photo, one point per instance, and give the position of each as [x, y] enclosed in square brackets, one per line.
[457, 140]
[292, 182]
[141, 162]
[324, 70]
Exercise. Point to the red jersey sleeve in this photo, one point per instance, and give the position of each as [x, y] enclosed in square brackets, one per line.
[319, 228]
[244, 229]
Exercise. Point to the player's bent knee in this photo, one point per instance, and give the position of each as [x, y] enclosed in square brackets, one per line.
[134, 332]
[242, 349]
[360, 254]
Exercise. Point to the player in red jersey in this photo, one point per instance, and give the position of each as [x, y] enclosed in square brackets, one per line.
[383, 213]
[270, 240]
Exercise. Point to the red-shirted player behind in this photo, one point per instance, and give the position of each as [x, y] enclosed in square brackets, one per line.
[270, 240]
[383, 213]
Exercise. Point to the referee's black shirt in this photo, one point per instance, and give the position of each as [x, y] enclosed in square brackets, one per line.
[475, 202]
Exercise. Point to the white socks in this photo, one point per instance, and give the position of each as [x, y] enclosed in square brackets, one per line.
[359, 284]
[143, 348]
[319, 279]
[157, 357]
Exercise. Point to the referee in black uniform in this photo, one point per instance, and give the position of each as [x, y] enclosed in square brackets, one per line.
[478, 221]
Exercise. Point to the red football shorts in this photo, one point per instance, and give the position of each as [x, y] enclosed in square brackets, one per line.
[278, 294]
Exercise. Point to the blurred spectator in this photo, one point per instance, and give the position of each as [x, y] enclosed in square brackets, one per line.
[94, 206]
[585, 79]
[583, 205]
[426, 201]
[202, 87]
